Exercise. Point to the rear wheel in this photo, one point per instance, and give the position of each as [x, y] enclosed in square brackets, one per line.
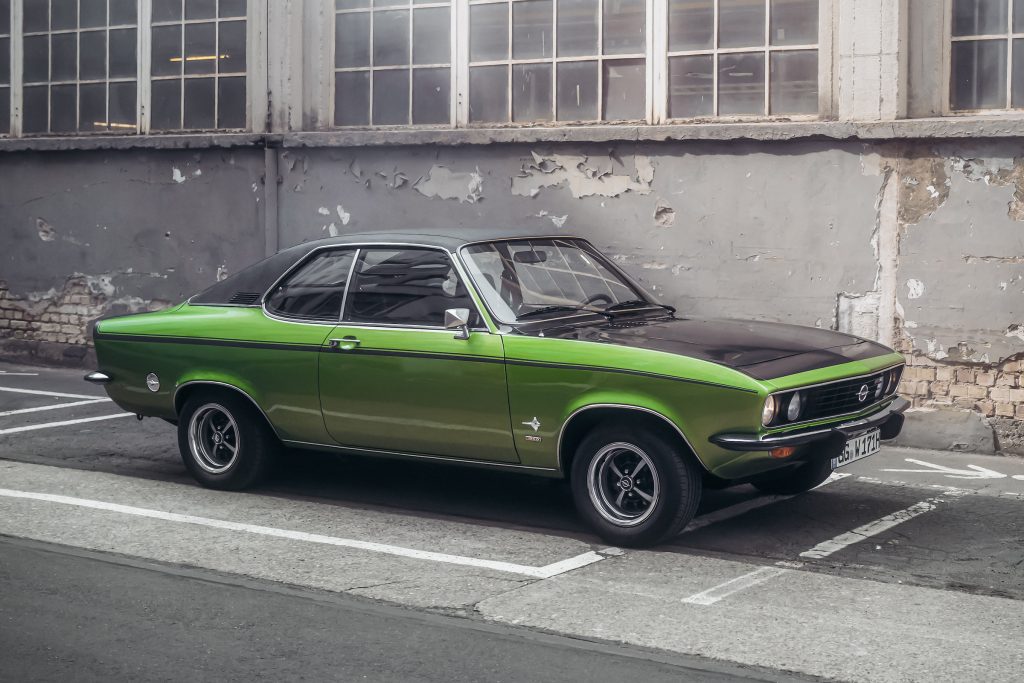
[225, 442]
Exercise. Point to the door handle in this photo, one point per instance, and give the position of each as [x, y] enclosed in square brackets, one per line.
[343, 344]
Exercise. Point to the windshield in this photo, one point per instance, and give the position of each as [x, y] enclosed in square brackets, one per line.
[522, 279]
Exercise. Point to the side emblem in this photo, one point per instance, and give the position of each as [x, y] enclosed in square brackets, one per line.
[535, 423]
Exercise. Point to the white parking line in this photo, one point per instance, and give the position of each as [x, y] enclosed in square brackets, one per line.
[544, 572]
[724, 590]
[53, 406]
[38, 392]
[62, 423]
[4, 373]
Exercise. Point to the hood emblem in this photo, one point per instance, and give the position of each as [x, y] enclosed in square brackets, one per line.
[862, 395]
[534, 423]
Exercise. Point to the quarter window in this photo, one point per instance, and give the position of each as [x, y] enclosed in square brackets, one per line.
[987, 55]
[316, 290]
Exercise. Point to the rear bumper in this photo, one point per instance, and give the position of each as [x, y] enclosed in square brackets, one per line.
[889, 420]
[98, 377]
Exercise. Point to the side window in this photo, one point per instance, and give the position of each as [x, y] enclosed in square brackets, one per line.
[314, 291]
[406, 287]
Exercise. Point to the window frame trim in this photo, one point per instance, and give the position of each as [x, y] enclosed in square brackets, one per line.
[947, 63]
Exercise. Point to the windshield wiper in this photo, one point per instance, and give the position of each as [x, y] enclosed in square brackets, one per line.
[555, 309]
[635, 303]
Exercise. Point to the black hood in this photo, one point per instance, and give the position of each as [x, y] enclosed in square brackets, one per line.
[759, 349]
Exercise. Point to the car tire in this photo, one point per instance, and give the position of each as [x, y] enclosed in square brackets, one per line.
[617, 468]
[225, 442]
[796, 480]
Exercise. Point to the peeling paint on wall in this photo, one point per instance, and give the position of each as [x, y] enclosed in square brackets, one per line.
[443, 183]
[45, 230]
[664, 214]
[924, 188]
[582, 176]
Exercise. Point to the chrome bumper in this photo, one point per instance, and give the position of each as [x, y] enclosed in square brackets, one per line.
[889, 419]
[98, 377]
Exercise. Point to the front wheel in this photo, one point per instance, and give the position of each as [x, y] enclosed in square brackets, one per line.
[634, 487]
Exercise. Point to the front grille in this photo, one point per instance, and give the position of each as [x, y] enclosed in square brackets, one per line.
[841, 398]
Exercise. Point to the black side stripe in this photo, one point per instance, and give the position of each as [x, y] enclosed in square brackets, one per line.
[621, 371]
[201, 341]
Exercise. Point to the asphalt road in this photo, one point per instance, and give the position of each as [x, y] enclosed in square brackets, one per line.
[907, 566]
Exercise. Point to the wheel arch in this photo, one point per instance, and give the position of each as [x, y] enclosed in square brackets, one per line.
[186, 389]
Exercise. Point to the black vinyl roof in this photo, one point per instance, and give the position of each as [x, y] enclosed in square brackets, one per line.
[445, 238]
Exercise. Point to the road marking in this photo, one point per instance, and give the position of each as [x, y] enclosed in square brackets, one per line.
[38, 392]
[724, 590]
[973, 471]
[62, 423]
[52, 407]
[544, 572]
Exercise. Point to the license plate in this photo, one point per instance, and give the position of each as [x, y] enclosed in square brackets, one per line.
[859, 447]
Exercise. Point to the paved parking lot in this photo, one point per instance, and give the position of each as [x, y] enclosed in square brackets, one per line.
[906, 566]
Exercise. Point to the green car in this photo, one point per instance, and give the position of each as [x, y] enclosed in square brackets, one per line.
[528, 353]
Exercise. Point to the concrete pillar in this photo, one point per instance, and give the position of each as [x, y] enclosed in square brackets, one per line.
[872, 62]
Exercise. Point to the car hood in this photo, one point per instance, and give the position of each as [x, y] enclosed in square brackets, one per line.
[761, 350]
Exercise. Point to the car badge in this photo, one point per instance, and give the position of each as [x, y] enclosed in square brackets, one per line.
[862, 395]
[535, 423]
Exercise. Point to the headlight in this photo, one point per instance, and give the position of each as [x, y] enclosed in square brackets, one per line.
[796, 406]
[768, 414]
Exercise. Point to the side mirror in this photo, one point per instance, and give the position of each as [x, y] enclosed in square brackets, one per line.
[457, 319]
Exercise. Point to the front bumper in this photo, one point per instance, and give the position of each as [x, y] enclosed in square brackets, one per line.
[889, 420]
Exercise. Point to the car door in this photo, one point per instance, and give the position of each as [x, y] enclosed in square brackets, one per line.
[393, 379]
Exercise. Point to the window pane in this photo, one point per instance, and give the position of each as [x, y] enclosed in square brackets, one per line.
[316, 290]
[121, 113]
[691, 24]
[431, 89]
[352, 40]
[122, 12]
[741, 84]
[488, 32]
[231, 102]
[63, 109]
[5, 17]
[199, 103]
[531, 29]
[979, 17]
[794, 82]
[92, 105]
[577, 91]
[5, 61]
[123, 63]
[93, 13]
[166, 50]
[1017, 88]
[36, 109]
[740, 23]
[166, 10]
[93, 58]
[200, 48]
[200, 9]
[794, 22]
[37, 16]
[577, 27]
[63, 66]
[232, 47]
[37, 59]
[691, 86]
[165, 110]
[978, 74]
[531, 92]
[1018, 17]
[625, 88]
[391, 97]
[625, 27]
[488, 94]
[232, 8]
[430, 36]
[351, 4]
[391, 38]
[352, 98]
[389, 3]
[63, 14]
[5, 110]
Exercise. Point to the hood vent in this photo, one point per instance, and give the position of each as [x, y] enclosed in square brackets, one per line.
[244, 298]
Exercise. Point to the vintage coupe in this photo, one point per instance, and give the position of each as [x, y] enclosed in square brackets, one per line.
[532, 353]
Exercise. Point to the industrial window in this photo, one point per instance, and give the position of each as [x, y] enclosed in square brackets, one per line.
[742, 57]
[987, 55]
[79, 71]
[198, 64]
[5, 67]
[392, 62]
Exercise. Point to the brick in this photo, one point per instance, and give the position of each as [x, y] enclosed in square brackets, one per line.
[18, 324]
[919, 373]
[959, 390]
[945, 374]
[963, 402]
[977, 392]
[999, 393]
[1004, 380]
[986, 379]
[940, 388]
[1020, 412]
[965, 375]
[1004, 409]
[914, 388]
[1013, 366]
[986, 408]
[1017, 395]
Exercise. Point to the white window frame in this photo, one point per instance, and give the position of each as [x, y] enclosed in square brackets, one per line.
[947, 66]
[9, 88]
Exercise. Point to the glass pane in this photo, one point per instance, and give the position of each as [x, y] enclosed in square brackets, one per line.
[166, 50]
[351, 4]
[1017, 87]
[430, 36]
[37, 59]
[199, 103]
[794, 82]
[978, 69]
[232, 8]
[352, 40]
[404, 287]
[64, 57]
[165, 110]
[122, 12]
[93, 57]
[741, 84]
[625, 27]
[36, 110]
[1018, 18]
[166, 10]
[63, 14]
[979, 17]
[121, 113]
[577, 28]
[625, 90]
[488, 32]
[389, 3]
[691, 86]
[740, 23]
[5, 111]
[531, 29]
[431, 96]
[63, 109]
[200, 48]
[92, 105]
[316, 290]
[93, 14]
[352, 98]
[122, 53]
[577, 91]
[531, 92]
[200, 9]
[232, 47]
[794, 22]
[231, 102]
[391, 38]
[691, 24]
[391, 97]
[5, 18]
[37, 16]
[488, 94]
[5, 61]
